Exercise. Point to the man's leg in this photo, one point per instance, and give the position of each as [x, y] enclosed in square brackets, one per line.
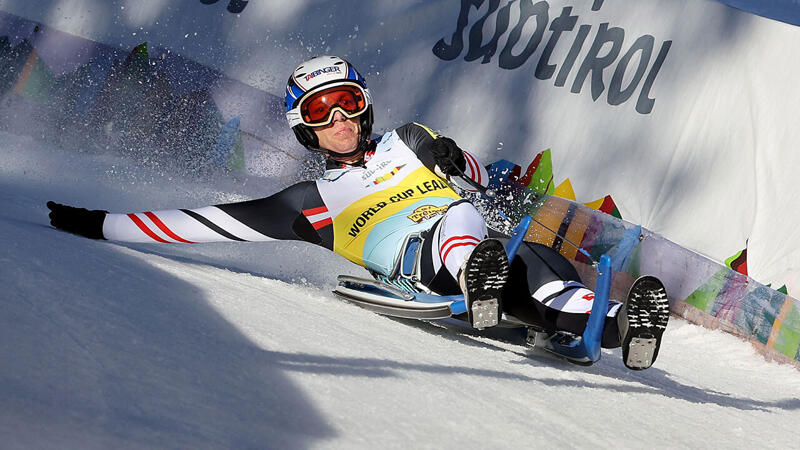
[558, 301]
[458, 251]
[482, 279]
[455, 236]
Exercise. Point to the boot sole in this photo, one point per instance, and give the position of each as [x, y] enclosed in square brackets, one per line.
[643, 321]
[485, 275]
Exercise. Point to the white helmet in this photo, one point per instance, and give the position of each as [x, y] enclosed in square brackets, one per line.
[306, 88]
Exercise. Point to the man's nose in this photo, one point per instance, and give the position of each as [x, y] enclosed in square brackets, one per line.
[338, 116]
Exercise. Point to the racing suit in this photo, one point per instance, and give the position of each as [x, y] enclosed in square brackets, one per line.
[368, 213]
[362, 212]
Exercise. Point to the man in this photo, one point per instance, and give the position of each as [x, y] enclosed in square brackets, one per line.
[379, 203]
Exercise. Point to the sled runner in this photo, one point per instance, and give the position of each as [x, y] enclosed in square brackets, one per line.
[583, 349]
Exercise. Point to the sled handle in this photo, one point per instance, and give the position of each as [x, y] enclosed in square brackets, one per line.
[491, 193]
[593, 333]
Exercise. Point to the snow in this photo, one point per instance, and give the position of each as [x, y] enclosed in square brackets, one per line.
[106, 345]
[716, 143]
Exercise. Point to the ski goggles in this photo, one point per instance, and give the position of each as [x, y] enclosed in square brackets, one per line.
[318, 108]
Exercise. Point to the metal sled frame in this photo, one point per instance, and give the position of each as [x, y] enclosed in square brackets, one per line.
[584, 349]
[387, 299]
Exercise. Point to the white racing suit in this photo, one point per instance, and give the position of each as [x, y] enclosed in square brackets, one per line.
[363, 213]
[367, 213]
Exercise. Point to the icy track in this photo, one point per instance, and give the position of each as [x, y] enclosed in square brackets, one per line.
[243, 346]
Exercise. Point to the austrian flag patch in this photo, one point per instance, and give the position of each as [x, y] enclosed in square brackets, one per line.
[319, 217]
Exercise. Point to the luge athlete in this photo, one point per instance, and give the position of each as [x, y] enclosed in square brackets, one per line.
[379, 202]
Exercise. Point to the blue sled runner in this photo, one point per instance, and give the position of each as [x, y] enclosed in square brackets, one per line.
[392, 300]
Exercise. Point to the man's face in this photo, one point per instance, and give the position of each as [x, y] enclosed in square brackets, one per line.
[341, 135]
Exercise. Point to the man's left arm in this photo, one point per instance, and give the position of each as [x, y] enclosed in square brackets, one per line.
[442, 155]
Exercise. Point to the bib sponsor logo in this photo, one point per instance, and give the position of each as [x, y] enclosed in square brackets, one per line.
[370, 172]
[426, 212]
[388, 176]
[431, 186]
[393, 196]
[364, 218]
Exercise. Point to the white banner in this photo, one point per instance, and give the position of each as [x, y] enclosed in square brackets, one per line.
[683, 110]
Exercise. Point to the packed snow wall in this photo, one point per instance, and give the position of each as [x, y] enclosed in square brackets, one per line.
[683, 110]
[146, 100]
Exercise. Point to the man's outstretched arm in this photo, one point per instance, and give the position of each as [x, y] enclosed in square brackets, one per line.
[279, 216]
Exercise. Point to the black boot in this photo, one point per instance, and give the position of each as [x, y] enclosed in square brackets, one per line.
[642, 320]
[482, 279]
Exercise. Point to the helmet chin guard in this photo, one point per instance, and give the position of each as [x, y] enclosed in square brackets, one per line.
[313, 76]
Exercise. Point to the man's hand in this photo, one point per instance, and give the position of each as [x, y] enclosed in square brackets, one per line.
[448, 156]
[79, 221]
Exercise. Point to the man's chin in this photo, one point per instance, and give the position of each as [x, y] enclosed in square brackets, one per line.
[346, 147]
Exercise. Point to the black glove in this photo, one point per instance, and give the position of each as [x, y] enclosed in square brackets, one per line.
[79, 221]
[448, 156]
